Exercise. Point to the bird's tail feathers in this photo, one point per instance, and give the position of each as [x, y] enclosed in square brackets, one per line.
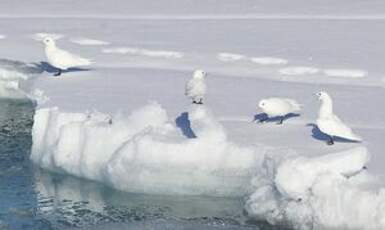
[296, 106]
[85, 61]
[354, 137]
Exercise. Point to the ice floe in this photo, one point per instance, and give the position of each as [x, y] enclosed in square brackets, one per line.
[12, 73]
[145, 152]
[333, 191]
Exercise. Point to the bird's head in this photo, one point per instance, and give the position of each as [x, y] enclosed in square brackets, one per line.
[200, 74]
[262, 104]
[322, 95]
[48, 41]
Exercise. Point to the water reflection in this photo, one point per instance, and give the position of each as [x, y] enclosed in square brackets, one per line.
[18, 199]
[73, 202]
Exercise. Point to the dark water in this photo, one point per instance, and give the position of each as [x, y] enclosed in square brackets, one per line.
[31, 198]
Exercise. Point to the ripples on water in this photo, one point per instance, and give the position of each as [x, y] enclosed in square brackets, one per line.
[31, 198]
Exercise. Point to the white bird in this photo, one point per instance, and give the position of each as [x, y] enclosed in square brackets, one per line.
[196, 87]
[330, 124]
[61, 59]
[278, 107]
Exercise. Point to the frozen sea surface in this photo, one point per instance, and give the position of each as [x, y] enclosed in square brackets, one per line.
[145, 52]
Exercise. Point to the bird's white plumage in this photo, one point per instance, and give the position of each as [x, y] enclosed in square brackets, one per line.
[277, 106]
[60, 58]
[196, 86]
[331, 124]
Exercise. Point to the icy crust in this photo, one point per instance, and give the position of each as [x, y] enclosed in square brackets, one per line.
[345, 163]
[333, 191]
[13, 75]
[145, 152]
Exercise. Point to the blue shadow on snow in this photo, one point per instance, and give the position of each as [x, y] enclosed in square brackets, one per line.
[263, 116]
[45, 66]
[184, 124]
[317, 134]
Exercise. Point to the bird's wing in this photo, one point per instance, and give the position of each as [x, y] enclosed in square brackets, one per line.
[189, 87]
[68, 59]
[342, 130]
[294, 104]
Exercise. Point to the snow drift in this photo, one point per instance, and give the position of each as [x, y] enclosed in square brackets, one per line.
[13, 78]
[333, 191]
[145, 152]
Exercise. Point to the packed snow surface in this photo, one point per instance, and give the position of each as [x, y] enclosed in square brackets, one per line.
[88, 42]
[318, 192]
[298, 70]
[97, 123]
[145, 152]
[143, 52]
[42, 35]
[349, 73]
[230, 57]
[268, 61]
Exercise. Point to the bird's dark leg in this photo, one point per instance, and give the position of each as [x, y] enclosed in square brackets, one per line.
[200, 101]
[330, 142]
[280, 122]
[58, 73]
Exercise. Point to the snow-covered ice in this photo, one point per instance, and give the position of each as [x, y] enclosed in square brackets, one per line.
[269, 61]
[42, 35]
[230, 57]
[12, 74]
[143, 52]
[88, 41]
[2, 36]
[333, 191]
[145, 152]
[98, 124]
[348, 73]
[233, 57]
[298, 70]
[347, 163]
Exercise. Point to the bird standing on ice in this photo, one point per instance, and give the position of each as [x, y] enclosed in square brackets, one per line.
[62, 59]
[278, 107]
[329, 123]
[196, 87]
